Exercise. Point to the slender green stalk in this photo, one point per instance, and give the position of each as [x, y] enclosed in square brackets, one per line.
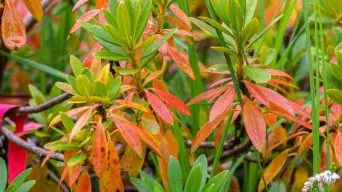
[183, 154]
[261, 169]
[226, 56]
[232, 172]
[196, 85]
[219, 149]
[315, 128]
[282, 27]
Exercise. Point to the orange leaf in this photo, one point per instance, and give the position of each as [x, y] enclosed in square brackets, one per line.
[305, 145]
[180, 14]
[150, 140]
[87, 16]
[79, 4]
[182, 61]
[70, 113]
[35, 7]
[128, 131]
[254, 124]
[159, 107]
[338, 147]
[276, 109]
[99, 150]
[222, 103]
[80, 123]
[206, 130]
[111, 178]
[131, 162]
[273, 169]
[12, 27]
[100, 3]
[210, 94]
[172, 101]
[84, 183]
[74, 173]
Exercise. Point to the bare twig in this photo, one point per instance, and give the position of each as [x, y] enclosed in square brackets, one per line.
[42, 107]
[234, 151]
[29, 146]
[55, 178]
[209, 144]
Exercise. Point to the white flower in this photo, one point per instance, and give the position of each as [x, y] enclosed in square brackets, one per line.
[320, 181]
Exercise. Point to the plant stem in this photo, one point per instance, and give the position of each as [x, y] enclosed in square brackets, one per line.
[315, 128]
[219, 149]
[196, 85]
[226, 56]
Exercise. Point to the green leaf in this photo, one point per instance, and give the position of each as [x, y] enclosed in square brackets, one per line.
[250, 29]
[18, 180]
[25, 187]
[83, 85]
[124, 22]
[77, 159]
[215, 183]
[156, 46]
[202, 160]
[223, 29]
[104, 54]
[257, 37]
[100, 89]
[231, 52]
[219, 67]
[258, 75]
[60, 146]
[37, 95]
[97, 31]
[44, 68]
[209, 30]
[122, 71]
[153, 184]
[335, 95]
[175, 178]
[76, 65]
[193, 183]
[67, 122]
[140, 185]
[277, 187]
[113, 86]
[145, 7]
[3, 174]
[250, 9]
[66, 88]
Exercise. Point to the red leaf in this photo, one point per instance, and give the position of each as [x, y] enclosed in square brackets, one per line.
[181, 60]
[265, 95]
[159, 107]
[84, 183]
[275, 72]
[99, 155]
[206, 130]
[87, 16]
[12, 27]
[180, 14]
[172, 101]
[254, 124]
[78, 4]
[210, 94]
[222, 103]
[338, 147]
[149, 140]
[128, 131]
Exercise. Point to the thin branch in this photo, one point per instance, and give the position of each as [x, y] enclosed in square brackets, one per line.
[234, 151]
[42, 107]
[29, 146]
[209, 144]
